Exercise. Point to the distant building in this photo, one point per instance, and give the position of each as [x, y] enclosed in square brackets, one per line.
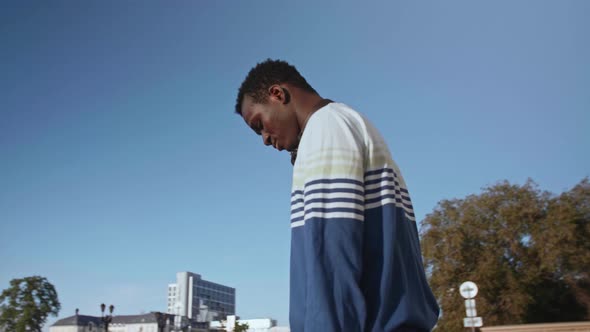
[254, 325]
[200, 300]
[120, 323]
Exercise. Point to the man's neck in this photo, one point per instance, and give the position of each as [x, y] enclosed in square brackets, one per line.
[308, 103]
[308, 106]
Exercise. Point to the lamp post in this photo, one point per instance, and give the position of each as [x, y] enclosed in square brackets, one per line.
[106, 319]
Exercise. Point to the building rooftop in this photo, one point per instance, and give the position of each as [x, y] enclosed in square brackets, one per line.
[80, 320]
[83, 320]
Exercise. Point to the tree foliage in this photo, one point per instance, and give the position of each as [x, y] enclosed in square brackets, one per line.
[241, 327]
[238, 327]
[25, 305]
[526, 249]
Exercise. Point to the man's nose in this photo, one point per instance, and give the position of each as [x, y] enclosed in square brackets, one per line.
[266, 139]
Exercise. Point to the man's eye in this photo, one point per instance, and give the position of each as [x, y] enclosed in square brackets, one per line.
[259, 128]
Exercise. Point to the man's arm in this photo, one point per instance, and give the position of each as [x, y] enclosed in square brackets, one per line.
[332, 216]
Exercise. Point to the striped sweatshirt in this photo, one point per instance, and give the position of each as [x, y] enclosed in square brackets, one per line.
[355, 254]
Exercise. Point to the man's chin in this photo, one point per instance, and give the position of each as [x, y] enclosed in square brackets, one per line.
[292, 147]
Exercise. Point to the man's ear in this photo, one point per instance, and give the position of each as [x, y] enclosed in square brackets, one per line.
[280, 94]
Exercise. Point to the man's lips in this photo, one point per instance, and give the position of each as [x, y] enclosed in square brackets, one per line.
[276, 145]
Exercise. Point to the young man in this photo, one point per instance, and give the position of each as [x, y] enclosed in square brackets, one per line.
[355, 255]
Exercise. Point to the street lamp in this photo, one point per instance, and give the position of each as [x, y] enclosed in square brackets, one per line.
[106, 320]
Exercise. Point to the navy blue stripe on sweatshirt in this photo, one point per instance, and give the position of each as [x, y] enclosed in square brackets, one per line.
[331, 200]
[397, 190]
[330, 181]
[334, 190]
[397, 200]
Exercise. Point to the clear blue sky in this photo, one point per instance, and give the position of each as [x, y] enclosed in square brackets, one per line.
[121, 161]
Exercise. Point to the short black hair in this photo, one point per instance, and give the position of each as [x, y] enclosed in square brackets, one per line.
[264, 75]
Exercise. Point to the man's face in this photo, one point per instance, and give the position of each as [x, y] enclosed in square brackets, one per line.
[274, 120]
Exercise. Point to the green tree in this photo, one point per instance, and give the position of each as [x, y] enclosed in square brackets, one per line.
[241, 327]
[563, 244]
[526, 249]
[25, 305]
[238, 327]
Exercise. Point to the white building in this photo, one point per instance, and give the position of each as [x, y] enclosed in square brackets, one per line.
[200, 300]
[254, 325]
[119, 323]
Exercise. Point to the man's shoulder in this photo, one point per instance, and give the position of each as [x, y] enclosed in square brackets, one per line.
[334, 111]
[336, 117]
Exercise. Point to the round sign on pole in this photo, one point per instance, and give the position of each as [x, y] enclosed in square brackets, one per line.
[468, 289]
